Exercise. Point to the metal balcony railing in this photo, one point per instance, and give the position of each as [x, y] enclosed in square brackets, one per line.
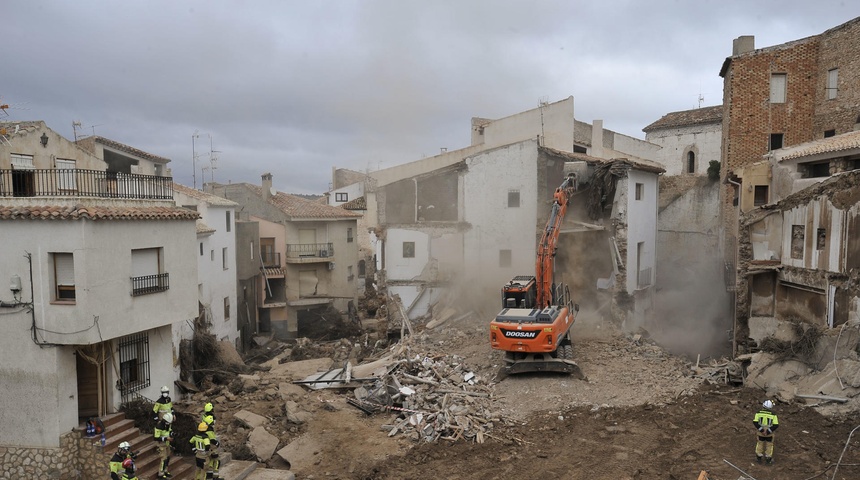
[270, 259]
[54, 182]
[149, 284]
[310, 250]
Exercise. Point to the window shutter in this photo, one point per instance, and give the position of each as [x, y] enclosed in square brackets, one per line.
[65, 265]
[144, 262]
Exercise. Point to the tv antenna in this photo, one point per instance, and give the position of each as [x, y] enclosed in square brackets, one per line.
[701, 99]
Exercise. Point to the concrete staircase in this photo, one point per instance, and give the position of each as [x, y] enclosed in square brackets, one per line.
[119, 429]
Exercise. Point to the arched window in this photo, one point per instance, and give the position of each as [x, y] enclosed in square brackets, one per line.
[691, 162]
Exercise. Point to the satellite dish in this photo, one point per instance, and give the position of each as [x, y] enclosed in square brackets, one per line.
[273, 191]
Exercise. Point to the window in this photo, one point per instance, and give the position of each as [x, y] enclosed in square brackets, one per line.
[832, 83]
[777, 88]
[760, 198]
[821, 239]
[66, 175]
[146, 272]
[341, 197]
[504, 258]
[224, 258]
[829, 133]
[408, 249]
[251, 244]
[23, 178]
[226, 308]
[775, 141]
[133, 364]
[348, 235]
[513, 198]
[229, 223]
[267, 253]
[691, 162]
[201, 249]
[349, 274]
[640, 191]
[64, 277]
[212, 255]
[362, 267]
[643, 278]
[797, 234]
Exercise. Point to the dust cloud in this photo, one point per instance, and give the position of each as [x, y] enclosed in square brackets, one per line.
[692, 314]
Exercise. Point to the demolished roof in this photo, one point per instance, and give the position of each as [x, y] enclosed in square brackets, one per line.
[637, 163]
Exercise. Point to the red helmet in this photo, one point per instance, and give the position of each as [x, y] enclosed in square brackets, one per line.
[128, 464]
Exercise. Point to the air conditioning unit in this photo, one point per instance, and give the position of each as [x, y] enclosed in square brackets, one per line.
[323, 253]
[331, 265]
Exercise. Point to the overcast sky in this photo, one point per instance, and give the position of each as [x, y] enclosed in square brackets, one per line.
[297, 87]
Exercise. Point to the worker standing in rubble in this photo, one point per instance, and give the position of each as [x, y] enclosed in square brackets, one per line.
[213, 465]
[766, 423]
[200, 446]
[163, 404]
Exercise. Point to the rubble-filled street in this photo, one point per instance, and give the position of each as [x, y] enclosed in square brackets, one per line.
[432, 407]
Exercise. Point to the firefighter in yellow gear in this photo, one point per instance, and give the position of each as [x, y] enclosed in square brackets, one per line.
[123, 452]
[200, 446]
[766, 423]
[163, 405]
[214, 463]
[129, 471]
[163, 435]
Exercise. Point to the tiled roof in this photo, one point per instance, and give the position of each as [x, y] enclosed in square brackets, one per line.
[639, 163]
[838, 143]
[359, 203]
[297, 207]
[80, 212]
[88, 143]
[203, 228]
[686, 118]
[210, 199]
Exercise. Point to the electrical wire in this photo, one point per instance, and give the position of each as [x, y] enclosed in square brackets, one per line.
[847, 442]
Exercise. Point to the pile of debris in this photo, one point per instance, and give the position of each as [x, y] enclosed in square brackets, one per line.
[432, 396]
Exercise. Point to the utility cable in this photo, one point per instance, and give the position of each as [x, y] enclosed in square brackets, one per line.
[847, 442]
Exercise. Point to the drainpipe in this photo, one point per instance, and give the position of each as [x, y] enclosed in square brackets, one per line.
[735, 253]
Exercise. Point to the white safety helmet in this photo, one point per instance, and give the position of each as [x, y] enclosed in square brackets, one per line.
[125, 446]
[168, 417]
[768, 404]
[165, 391]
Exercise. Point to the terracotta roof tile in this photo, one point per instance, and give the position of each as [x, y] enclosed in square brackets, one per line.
[80, 212]
[686, 118]
[838, 143]
[297, 207]
[88, 144]
[214, 200]
[359, 203]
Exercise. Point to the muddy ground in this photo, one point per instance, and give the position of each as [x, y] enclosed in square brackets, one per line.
[640, 414]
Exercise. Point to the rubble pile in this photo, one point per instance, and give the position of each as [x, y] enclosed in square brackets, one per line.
[433, 397]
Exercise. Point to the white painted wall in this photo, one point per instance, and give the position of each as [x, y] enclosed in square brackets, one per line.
[496, 227]
[356, 190]
[553, 121]
[396, 266]
[218, 281]
[641, 225]
[705, 140]
[104, 309]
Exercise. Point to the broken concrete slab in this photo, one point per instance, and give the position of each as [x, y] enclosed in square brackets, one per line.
[295, 414]
[827, 381]
[290, 391]
[250, 419]
[227, 353]
[774, 376]
[301, 369]
[833, 345]
[763, 327]
[250, 382]
[298, 452]
[262, 443]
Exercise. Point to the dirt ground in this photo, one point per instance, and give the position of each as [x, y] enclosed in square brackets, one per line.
[640, 414]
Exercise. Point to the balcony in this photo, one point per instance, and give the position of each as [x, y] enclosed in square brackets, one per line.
[309, 252]
[53, 182]
[149, 284]
[270, 259]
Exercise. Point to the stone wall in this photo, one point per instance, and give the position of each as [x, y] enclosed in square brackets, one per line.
[76, 458]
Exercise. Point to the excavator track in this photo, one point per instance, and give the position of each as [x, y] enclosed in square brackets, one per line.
[540, 362]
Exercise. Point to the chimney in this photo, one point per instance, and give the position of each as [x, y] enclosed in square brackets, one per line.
[596, 139]
[267, 186]
[743, 44]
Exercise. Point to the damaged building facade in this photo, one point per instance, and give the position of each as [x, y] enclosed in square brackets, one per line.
[788, 109]
[307, 260]
[460, 224]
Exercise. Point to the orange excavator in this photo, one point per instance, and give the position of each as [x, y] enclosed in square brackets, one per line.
[533, 328]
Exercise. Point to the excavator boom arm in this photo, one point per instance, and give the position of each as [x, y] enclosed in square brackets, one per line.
[545, 264]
